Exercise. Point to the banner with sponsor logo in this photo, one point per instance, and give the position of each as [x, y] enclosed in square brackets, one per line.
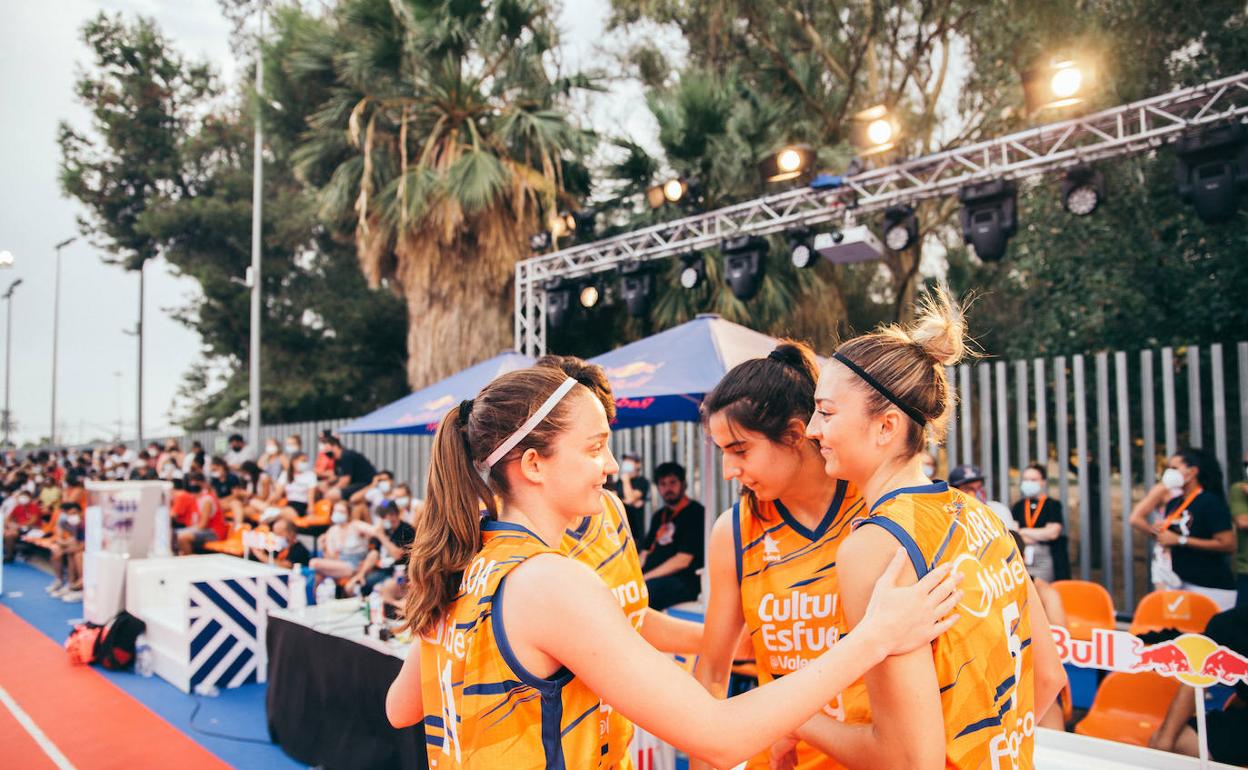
[1193, 659]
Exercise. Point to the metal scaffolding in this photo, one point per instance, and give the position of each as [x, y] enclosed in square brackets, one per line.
[1124, 130]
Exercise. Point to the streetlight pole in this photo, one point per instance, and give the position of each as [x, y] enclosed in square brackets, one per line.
[256, 185]
[56, 323]
[8, 356]
[138, 415]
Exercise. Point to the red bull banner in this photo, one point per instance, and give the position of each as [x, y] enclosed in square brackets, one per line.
[1194, 660]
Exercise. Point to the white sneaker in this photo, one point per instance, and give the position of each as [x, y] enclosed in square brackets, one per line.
[71, 596]
[59, 592]
[54, 586]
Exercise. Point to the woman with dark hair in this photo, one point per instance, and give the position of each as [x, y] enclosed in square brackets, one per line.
[773, 554]
[1195, 535]
[1040, 523]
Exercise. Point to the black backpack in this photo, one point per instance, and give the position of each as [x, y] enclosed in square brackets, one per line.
[115, 648]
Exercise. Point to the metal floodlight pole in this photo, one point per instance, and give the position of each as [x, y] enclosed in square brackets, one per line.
[1127, 129]
[56, 324]
[253, 398]
[8, 358]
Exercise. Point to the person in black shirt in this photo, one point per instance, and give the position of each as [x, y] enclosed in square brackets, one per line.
[394, 538]
[221, 478]
[1040, 524]
[1195, 536]
[672, 552]
[294, 553]
[352, 470]
[634, 491]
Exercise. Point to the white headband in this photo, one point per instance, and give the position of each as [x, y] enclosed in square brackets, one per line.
[530, 423]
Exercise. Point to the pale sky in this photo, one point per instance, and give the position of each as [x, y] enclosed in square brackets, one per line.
[40, 50]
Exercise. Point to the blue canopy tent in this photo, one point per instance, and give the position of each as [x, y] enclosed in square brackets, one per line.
[664, 377]
[420, 413]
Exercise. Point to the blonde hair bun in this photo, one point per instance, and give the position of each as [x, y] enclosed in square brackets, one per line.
[939, 328]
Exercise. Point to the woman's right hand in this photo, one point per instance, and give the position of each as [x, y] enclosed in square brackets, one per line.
[908, 617]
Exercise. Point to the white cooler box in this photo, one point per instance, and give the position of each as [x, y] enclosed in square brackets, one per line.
[206, 616]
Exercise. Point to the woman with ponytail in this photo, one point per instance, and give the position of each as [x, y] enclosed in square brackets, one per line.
[520, 646]
[773, 554]
[970, 700]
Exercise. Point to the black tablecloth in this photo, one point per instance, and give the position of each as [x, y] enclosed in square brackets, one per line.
[327, 702]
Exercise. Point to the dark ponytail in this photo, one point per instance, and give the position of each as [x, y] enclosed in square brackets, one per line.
[1208, 470]
[765, 395]
[448, 527]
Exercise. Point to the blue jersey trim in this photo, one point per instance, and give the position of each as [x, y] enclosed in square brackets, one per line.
[829, 516]
[903, 537]
[551, 685]
[736, 537]
[552, 734]
[494, 525]
[934, 488]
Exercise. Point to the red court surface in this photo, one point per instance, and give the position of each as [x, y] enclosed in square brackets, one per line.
[87, 719]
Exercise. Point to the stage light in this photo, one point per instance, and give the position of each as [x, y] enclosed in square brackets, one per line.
[801, 247]
[1213, 165]
[558, 302]
[1083, 189]
[900, 228]
[674, 190]
[539, 242]
[636, 288]
[557, 224]
[989, 217]
[745, 261]
[1061, 83]
[874, 130]
[692, 271]
[590, 295]
[791, 162]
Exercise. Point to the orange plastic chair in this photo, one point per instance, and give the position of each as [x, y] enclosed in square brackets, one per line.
[1088, 605]
[1129, 707]
[1184, 610]
[319, 517]
[231, 545]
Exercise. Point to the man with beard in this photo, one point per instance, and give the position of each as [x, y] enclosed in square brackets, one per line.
[672, 552]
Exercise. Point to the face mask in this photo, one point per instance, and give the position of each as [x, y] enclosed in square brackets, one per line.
[384, 486]
[339, 517]
[1172, 478]
[23, 500]
[929, 470]
[628, 466]
[270, 449]
[300, 466]
[292, 449]
[74, 520]
[1031, 488]
[402, 501]
[386, 525]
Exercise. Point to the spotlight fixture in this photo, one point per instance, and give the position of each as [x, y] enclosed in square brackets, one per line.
[590, 294]
[790, 162]
[874, 131]
[675, 190]
[580, 223]
[801, 247]
[1063, 82]
[693, 270]
[1213, 165]
[900, 228]
[853, 244]
[539, 242]
[989, 217]
[558, 302]
[636, 288]
[1083, 189]
[745, 261]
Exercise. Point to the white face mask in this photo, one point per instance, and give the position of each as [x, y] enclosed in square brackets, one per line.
[929, 470]
[1031, 488]
[270, 449]
[73, 521]
[402, 502]
[23, 500]
[292, 449]
[385, 523]
[300, 466]
[1172, 478]
[339, 517]
[628, 466]
[384, 486]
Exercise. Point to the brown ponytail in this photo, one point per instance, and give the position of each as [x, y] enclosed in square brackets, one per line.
[448, 527]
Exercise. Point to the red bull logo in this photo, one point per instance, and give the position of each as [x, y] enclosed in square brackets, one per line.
[632, 375]
[1194, 660]
[1226, 666]
[634, 403]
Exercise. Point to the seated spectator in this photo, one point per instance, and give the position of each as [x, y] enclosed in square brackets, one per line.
[379, 489]
[294, 445]
[209, 524]
[49, 495]
[1226, 729]
[352, 471]
[405, 502]
[634, 491]
[324, 466]
[294, 552]
[24, 516]
[298, 486]
[238, 453]
[673, 549]
[272, 462]
[221, 478]
[194, 461]
[143, 469]
[393, 539]
[969, 479]
[66, 554]
[183, 508]
[346, 548]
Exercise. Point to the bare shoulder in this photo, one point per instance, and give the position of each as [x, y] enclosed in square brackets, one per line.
[864, 555]
[553, 580]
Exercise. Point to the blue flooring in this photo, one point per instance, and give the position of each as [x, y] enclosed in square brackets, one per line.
[238, 712]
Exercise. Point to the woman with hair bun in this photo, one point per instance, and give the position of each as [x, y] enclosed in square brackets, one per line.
[971, 699]
[520, 647]
[773, 554]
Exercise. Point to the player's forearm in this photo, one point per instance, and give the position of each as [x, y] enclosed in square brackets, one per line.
[670, 567]
[853, 745]
[670, 634]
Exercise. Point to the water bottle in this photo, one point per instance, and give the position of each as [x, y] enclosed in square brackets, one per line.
[142, 656]
[298, 590]
[376, 610]
[325, 592]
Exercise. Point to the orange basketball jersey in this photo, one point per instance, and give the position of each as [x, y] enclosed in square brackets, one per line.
[605, 544]
[789, 595]
[984, 662]
[483, 709]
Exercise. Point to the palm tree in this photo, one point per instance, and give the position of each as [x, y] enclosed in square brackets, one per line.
[443, 145]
